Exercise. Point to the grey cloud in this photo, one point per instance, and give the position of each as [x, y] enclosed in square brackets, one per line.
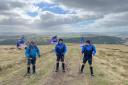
[103, 6]
[109, 15]
[110, 23]
[49, 19]
[14, 21]
[6, 5]
[114, 20]
[114, 12]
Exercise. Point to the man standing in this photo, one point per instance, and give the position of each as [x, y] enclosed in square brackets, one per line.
[31, 52]
[60, 50]
[88, 51]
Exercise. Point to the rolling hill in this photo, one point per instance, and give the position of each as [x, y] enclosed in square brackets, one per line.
[75, 38]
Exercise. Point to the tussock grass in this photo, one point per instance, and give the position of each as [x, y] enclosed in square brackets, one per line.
[110, 67]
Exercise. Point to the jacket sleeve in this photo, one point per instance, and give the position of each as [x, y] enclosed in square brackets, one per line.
[94, 50]
[65, 49]
[38, 51]
[17, 43]
[56, 49]
[27, 52]
[83, 49]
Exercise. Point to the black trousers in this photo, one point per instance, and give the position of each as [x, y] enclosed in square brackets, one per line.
[60, 57]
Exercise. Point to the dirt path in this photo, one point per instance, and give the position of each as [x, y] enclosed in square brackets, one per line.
[72, 75]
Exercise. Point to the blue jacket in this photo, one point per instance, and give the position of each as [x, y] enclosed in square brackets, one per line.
[60, 48]
[88, 50]
[32, 51]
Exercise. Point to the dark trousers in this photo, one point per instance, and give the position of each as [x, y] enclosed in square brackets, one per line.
[60, 57]
[31, 60]
[89, 59]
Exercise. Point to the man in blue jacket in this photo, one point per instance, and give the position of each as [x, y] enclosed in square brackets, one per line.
[31, 52]
[60, 50]
[88, 51]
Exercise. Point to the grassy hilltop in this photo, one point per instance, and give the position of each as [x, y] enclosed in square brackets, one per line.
[110, 67]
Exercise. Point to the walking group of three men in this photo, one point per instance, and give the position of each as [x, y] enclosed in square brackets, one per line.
[31, 51]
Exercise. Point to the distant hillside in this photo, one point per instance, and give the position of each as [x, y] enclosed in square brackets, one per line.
[97, 40]
[41, 39]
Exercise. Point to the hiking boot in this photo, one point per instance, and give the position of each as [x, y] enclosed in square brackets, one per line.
[92, 75]
[28, 70]
[81, 72]
[91, 70]
[34, 69]
[82, 68]
[63, 67]
[63, 71]
[56, 70]
[57, 67]
[28, 74]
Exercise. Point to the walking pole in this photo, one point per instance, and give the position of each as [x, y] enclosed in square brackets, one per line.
[80, 63]
[27, 73]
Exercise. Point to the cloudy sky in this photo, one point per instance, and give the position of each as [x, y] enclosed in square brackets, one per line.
[36, 16]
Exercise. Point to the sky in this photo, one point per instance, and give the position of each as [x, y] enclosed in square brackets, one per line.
[38, 16]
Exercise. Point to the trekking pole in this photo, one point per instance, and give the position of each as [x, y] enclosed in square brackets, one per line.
[80, 62]
[44, 54]
[42, 59]
[30, 70]
[54, 67]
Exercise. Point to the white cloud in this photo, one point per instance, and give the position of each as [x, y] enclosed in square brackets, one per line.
[108, 15]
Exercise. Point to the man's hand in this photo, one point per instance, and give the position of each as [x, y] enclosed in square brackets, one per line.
[30, 58]
[81, 54]
[39, 56]
[63, 54]
[93, 55]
